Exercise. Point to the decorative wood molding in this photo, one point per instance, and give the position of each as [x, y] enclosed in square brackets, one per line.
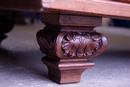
[108, 8]
[46, 39]
[81, 44]
[68, 41]
[66, 72]
[69, 44]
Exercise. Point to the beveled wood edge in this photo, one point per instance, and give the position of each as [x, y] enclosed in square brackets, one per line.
[103, 8]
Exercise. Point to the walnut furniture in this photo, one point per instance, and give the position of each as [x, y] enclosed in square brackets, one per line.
[69, 38]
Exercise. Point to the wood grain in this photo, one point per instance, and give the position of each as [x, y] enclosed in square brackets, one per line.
[104, 8]
[126, 1]
[21, 5]
[68, 42]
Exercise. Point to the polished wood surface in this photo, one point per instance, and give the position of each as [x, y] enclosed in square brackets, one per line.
[105, 8]
[69, 38]
[68, 42]
[126, 1]
[21, 5]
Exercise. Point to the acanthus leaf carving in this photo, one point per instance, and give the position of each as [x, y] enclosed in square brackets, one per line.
[46, 39]
[68, 44]
[81, 44]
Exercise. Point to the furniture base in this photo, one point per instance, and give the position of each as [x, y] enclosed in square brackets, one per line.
[6, 23]
[68, 42]
[66, 72]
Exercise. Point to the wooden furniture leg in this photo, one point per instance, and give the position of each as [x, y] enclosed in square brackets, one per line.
[68, 41]
[6, 23]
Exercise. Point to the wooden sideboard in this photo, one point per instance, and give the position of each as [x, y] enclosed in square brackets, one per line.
[69, 38]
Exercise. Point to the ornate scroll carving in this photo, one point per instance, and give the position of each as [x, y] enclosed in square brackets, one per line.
[46, 39]
[70, 44]
[81, 44]
[68, 41]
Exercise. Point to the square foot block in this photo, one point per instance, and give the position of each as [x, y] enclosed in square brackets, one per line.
[66, 72]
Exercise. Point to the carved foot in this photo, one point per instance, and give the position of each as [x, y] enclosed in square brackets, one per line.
[68, 43]
[6, 23]
[66, 72]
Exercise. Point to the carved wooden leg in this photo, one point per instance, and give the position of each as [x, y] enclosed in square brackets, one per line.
[6, 23]
[68, 41]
